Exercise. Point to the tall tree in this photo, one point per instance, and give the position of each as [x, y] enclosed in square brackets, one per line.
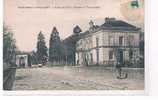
[41, 49]
[56, 50]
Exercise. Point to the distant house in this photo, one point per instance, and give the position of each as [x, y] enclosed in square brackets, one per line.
[114, 41]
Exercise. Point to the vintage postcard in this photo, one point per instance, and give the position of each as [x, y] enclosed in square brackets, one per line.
[73, 45]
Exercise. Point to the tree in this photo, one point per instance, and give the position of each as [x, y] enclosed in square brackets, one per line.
[34, 57]
[77, 30]
[9, 58]
[9, 46]
[41, 49]
[56, 49]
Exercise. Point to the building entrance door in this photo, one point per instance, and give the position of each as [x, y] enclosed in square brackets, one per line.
[121, 57]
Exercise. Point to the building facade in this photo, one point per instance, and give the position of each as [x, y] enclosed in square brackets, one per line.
[114, 41]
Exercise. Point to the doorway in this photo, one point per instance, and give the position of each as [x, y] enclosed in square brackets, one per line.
[121, 56]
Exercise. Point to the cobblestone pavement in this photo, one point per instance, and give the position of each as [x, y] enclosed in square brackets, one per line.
[75, 78]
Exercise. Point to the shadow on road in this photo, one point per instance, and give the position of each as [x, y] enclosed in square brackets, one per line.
[20, 77]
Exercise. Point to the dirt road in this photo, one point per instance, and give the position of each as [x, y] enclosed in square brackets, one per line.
[73, 78]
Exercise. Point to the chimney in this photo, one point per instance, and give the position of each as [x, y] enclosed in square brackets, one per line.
[108, 20]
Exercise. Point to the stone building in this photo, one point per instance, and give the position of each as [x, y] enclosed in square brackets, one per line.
[113, 41]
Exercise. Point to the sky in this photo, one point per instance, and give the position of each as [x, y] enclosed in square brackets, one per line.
[26, 23]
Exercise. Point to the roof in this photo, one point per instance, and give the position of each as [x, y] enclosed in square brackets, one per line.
[117, 23]
[71, 39]
[109, 24]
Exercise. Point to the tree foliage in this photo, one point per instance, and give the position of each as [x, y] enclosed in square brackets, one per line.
[56, 49]
[77, 30]
[41, 49]
[9, 46]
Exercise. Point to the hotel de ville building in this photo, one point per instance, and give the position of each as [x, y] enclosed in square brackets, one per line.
[114, 41]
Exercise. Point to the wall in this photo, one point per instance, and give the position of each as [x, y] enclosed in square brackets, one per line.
[89, 45]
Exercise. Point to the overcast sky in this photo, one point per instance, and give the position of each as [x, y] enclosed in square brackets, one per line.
[26, 23]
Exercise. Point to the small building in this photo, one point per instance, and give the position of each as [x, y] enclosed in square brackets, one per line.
[23, 60]
[113, 41]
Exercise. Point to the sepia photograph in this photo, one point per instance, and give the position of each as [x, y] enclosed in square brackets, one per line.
[73, 45]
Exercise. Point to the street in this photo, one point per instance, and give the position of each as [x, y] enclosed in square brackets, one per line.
[77, 78]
